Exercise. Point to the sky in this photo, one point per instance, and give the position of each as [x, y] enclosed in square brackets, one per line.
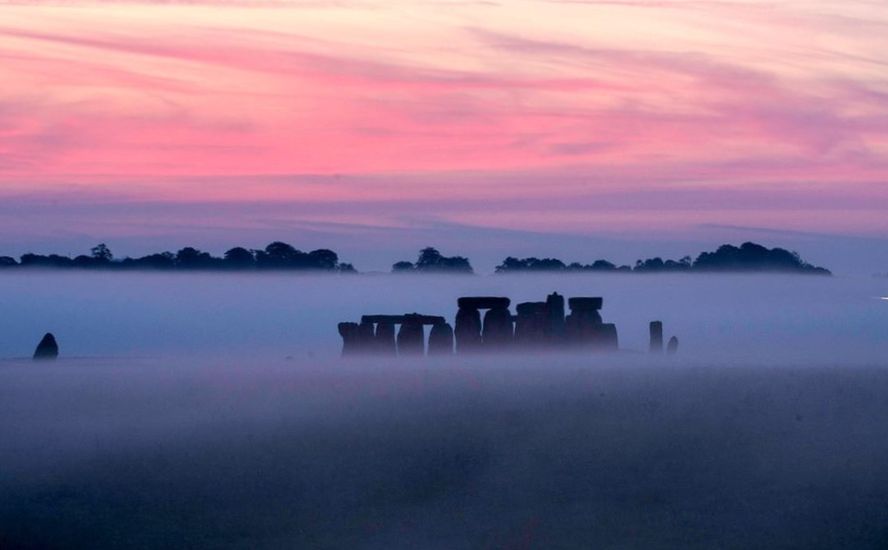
[584, 129]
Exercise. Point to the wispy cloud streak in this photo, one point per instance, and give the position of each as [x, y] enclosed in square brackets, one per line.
[561, 103]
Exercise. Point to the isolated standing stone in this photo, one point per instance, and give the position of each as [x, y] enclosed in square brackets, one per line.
[656, 337]
[48, 348]
[672, 346]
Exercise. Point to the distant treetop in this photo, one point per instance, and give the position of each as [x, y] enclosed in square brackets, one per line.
[431, 261]
[276, 256]
[748, 257]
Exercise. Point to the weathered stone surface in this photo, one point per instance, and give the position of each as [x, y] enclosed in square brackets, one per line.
[656, 330]
[441, 339]
[48, 348]
[483, 302]
[385, 339]
[672, 346]
[530, 323]
[497, 332]
[349, 333]
[585, 304]
[468, 330]
[411, 338]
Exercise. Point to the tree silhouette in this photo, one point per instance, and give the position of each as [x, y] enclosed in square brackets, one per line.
[747, 257]
[402, 267]
[102, 253]
[431, 260]
[239, 258]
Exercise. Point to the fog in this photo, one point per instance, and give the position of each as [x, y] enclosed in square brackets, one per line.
[751, 317]
[212, 411]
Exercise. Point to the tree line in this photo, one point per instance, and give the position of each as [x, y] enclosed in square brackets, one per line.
[276, 256]
[748, 257]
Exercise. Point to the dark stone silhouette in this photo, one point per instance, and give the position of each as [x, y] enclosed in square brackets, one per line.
[376, 334]
[585, 304]
[468, 329]
[537, 324]
[530, 324]
[672, 346]
[349, 333]
[441, 339]
[365, 338]
[656, 330]
[432, 261]
[584, 327]
[483, 302]
[497, 332]
[555, 331]
[385, 338]
[47, 349]
[608, 337]
[411, 337]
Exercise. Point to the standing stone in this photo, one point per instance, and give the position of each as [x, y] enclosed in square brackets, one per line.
[656, 337]
[497, 333]
[411, 338]
[441, 339]
[48, 348]
[583, 325]
[672, 346]
[607, 338]
[365, 339]
[348, 331]
[530, 324]
[468, 329]
[555, 318]
[385, 338]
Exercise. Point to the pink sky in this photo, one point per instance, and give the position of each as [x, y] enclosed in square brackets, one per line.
[575, 117]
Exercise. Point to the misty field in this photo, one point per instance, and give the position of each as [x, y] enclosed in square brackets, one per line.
[213, 412]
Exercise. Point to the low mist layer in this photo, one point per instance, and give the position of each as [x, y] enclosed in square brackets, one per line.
[532, 453]
[761, 318]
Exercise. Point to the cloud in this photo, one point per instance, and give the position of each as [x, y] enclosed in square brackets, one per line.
[480, 118]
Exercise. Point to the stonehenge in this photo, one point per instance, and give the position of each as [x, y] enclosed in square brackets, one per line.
[377, 335]
[485, 324]
[47, 349]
